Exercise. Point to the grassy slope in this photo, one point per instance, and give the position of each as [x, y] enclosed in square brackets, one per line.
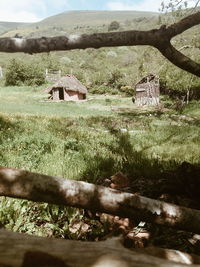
[8, 26]
[92, 18]
[152, 134]
[70, 20]
[84, 141]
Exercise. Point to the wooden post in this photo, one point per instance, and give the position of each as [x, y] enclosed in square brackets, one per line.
[1, 72]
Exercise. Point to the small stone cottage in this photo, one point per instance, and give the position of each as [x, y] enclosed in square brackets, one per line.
[67, 88]
[147, 91]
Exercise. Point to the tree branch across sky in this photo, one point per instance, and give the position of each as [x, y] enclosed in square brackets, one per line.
[158, 38]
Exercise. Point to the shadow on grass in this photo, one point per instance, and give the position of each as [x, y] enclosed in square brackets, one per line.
[149, 176]
[122, 157]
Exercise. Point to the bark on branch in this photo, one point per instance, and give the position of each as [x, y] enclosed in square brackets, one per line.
[159, 38]
[20, 250]
[42, 188]
[183, 25]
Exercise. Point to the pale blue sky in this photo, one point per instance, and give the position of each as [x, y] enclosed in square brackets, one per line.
[35, 10]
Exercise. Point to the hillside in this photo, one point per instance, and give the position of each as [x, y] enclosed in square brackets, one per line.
[108, 70]
[84, 20]
[155, 150]
[8, 26]
[92, 18]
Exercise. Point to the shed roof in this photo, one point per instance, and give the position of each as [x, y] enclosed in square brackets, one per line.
[150, 77]
[69, 82]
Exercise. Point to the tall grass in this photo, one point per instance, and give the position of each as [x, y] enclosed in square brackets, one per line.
[94, 139]
[88, 146]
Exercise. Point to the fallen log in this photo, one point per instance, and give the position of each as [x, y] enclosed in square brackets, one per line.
[170, 254]
[21, 250]
[42, 188]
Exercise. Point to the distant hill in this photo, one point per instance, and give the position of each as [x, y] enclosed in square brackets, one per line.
[74, 20]
[92, 18]
[8, 26]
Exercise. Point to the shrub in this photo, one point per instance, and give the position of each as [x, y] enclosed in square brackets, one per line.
[114, 25]
[19, 73]
[177, 83]
[127, 90]
[114, 78]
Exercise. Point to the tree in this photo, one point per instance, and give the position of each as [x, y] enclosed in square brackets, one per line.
[114, 25]
[19, 72]
[178, 5]
[158, 38]
[177, 9]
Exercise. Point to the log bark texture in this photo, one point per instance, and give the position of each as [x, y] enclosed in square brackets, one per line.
[158, 38]
[42, 188]
[21, 250]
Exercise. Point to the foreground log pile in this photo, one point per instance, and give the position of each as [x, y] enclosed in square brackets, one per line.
[20, 250]
[42, 188]
[28, 251]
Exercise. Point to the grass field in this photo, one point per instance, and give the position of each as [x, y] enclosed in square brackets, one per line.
[93, 140]
[86, 141]
[163, 134]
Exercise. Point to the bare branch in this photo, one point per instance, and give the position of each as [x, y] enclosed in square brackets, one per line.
[183, 25]
[159, 38]
[82, 41]
[42, 188]
[197, 3]
[179, 59]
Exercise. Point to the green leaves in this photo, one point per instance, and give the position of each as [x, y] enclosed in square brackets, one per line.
[19, 72]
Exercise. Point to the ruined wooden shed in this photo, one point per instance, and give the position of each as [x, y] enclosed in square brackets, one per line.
[147, 91]
[67, 88]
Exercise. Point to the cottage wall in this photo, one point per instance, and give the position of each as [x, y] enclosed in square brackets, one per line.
[81, 96]
[147, 94]
[66, 96]
[73, 96]
[67, 88]
[56, 94]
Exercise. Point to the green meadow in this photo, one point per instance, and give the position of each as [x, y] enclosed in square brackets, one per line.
[87, 141]
[97, 138]
[63, 138]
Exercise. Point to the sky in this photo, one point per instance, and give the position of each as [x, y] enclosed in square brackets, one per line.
[36, 10]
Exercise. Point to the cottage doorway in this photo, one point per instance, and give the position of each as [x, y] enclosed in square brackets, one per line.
[61, 93]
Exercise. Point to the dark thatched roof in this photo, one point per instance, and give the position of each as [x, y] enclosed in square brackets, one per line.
[68, 82]
[150, 77]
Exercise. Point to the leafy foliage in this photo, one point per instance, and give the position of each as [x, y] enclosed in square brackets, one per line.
[114, 25]
[93, 147]
[177, 84]
[19, 72]
[177, 9]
